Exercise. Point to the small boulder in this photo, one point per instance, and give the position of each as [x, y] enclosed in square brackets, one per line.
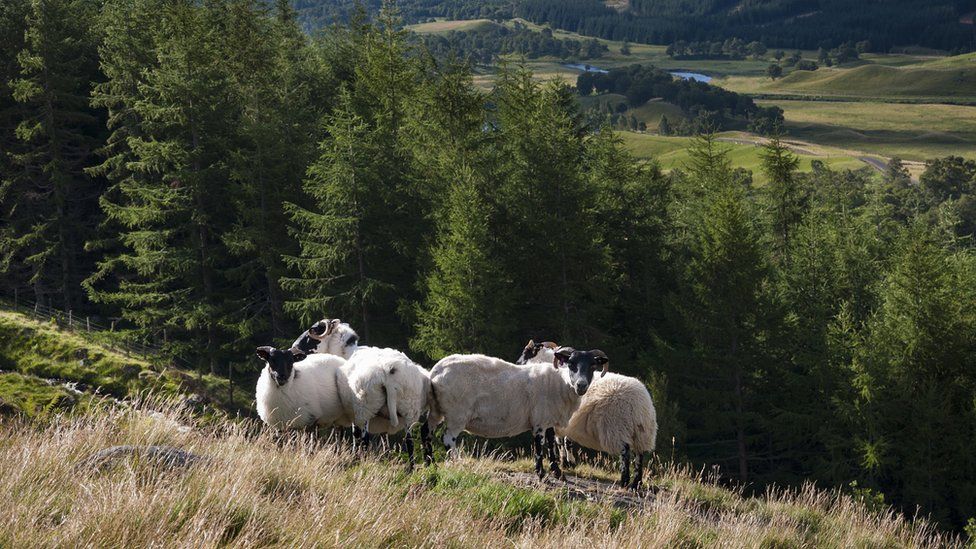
[167, 456]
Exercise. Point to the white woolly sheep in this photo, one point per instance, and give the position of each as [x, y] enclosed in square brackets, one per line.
[616, 415]
[373, 371]
[492, 398]
[294, 392]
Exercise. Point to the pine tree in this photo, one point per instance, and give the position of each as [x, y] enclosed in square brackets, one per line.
[13, 23]
[725, 278]
[915, 378]
[562, 277]
[172, 189]
[280, 85]
[47, 198]
[664, 126]
[360, 240]
[467, 297]
[786, 200]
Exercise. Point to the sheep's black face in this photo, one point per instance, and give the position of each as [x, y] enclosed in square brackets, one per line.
[306, 343]
[581, 366]
[280, 362]
[529, 352]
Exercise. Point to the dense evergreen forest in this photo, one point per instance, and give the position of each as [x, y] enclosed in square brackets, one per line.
[709, 107]
[210, 174]
[485, 44]
[806, 24]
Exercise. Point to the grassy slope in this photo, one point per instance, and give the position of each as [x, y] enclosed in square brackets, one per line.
[913, 132]
[672, 152]
[868, 81]
[253, 492]
[33, 350]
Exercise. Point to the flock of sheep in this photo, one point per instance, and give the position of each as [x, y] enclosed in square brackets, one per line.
[327, 379]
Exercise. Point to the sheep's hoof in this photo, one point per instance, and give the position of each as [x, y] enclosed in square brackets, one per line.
[556, 472]
[541, 473]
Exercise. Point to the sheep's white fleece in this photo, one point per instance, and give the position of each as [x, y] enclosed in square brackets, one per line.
[616, 410]
[310, 397]
[492, 398]
[390, 390]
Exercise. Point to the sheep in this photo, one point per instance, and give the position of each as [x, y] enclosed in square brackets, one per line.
[365, 368]
[295, 396]
[616, 415]
[490, 397]
[329, 336]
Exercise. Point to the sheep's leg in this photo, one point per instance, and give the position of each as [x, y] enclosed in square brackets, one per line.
[357, 434]
[408, 448]
[625, 466]
[638, 472]
[551, 446]
[365, 439]
[537, 448]
[566, 452]
[425, 441]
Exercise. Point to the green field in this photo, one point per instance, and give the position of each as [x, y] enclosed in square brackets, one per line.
[906, 105]
[910, 131]
[672, 152]
[924, 82]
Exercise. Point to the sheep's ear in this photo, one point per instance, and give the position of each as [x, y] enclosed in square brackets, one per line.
[601, 358]
[531, 343]
[561, 355]
[264, 353]
[298, 354]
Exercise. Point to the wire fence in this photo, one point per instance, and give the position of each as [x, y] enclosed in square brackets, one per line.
[125, 343]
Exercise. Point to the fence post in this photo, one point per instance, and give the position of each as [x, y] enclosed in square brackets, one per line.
[69, 318]
[87, 324]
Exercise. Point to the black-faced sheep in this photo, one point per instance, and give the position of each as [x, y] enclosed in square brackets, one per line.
[616, 415]
[492, 398]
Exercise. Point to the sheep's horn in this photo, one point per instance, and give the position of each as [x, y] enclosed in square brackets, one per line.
[602, 357]
[549, 345]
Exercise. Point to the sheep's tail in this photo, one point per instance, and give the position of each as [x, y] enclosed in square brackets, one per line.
[391, 404]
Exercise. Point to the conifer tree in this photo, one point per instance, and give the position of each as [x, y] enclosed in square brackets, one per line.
[726, 275]
[172, 189]
[47, 196]
[561, 272]
[362, 240]
[784, 196]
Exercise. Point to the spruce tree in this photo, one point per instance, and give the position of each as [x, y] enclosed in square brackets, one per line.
[172, 184]
[362, 239]
[48, 199]
[785, 198]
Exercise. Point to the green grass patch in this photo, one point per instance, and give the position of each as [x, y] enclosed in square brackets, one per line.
[870, 81]
[910, 131]
[34, 398]
[504, 503]
[672, 153]
[44, 350]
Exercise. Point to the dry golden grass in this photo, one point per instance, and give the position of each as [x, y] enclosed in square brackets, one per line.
[253, 491]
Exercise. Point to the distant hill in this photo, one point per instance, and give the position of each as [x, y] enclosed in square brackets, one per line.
[806, 24]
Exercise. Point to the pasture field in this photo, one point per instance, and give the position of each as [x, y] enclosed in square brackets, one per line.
[672, 152]
[948, 83]
[910, 131]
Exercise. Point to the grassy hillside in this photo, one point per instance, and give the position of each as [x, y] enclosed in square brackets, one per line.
[38, 358]
[672, 152]
[913, 132]
[249, 491]
[954, 83]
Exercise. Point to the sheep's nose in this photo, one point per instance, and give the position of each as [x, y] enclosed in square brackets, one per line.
[581, 388]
